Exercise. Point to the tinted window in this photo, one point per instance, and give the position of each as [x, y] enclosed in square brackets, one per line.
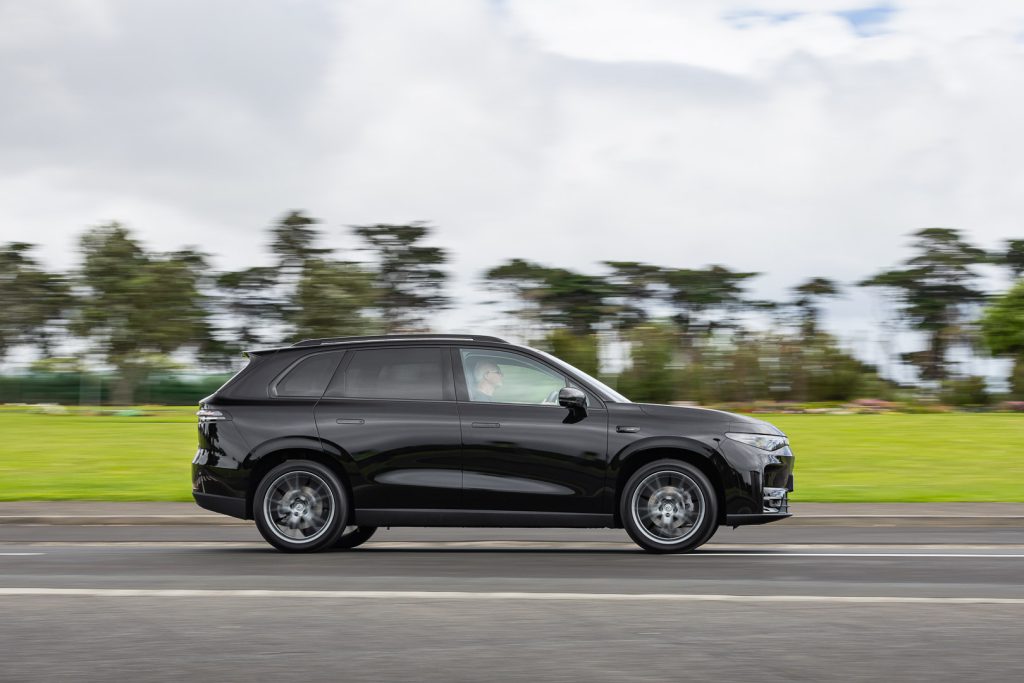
[503, 377]
[407, 373]
[310, 376]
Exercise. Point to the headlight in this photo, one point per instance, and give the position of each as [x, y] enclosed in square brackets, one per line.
[765, 442]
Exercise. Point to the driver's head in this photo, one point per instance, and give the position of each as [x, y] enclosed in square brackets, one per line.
[487, 372]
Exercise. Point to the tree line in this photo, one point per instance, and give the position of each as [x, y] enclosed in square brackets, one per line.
[685, 332]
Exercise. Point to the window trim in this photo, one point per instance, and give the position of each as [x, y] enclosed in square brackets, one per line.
[447, 378]
[462, 386]
[281, 376]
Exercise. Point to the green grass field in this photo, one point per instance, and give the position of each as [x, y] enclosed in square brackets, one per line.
[840, 458]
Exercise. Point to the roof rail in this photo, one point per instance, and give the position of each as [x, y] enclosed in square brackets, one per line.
[398, 337]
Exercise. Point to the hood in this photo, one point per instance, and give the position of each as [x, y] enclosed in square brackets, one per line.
[730, 421]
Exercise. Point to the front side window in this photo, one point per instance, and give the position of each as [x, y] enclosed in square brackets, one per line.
[309, 377]
[401, 373]
[503, 377]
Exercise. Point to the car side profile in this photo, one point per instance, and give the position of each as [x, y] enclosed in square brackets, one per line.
[324, 441]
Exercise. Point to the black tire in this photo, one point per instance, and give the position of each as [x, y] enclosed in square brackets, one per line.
[354, 536]
[300, 506]
[669, 506]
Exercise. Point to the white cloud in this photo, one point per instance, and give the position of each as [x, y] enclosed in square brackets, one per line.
[770, 136]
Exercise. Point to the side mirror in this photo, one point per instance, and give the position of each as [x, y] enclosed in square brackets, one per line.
[572, 398]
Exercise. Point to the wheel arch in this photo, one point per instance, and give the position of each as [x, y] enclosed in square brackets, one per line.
[288, 450]
[696, 454]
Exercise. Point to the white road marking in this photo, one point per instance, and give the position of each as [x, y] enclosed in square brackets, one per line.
[775, 555]
[19, 554]
[466, 595]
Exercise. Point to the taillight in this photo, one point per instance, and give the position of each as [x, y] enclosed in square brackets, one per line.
[211, 415]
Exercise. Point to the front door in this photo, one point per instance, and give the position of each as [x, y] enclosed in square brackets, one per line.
[523, 452]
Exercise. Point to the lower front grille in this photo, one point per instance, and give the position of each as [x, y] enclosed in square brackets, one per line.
[776, 500]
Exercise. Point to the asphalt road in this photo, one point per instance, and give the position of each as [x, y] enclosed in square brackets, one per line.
[771, 603]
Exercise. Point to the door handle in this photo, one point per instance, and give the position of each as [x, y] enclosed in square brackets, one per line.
[486, 425]
[624, 429]
[343, 421]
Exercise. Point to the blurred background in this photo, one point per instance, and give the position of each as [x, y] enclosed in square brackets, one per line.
[810, 209]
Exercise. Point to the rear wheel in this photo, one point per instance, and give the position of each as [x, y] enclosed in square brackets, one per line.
[300, 506]
[669, 506]
[354, 536]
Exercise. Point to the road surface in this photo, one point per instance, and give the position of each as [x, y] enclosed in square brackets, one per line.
[775, 603]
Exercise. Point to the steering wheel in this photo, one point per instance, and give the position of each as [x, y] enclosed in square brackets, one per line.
[552, 399]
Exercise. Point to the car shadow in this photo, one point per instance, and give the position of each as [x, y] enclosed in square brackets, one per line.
[430, 550]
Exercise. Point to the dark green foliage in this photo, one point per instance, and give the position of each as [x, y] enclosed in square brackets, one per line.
[578, 350]
[308, 294]
[408, 276]
[294, 240]
[742, 368]
[807, 302]
[1002, 327]
[652, 376]
[136, 308]
[250, 305]
[686, 329]
[965, 391]
[936, 289]
[1013, 257]
[706, 299]
[634, 286]
[95, 389]
[332, 299]
[34, 302]
[554, 297]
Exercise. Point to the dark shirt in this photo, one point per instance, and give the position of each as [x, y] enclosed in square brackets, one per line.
[480, 397]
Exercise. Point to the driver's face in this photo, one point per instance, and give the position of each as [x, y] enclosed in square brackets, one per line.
[493, 375]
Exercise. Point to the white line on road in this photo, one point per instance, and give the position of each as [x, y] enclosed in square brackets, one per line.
[466, 595]
[18, 554]
[776, 555]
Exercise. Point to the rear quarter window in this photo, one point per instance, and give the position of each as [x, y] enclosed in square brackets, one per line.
[308, 378]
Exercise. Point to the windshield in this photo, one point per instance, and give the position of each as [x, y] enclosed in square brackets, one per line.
[610, 394]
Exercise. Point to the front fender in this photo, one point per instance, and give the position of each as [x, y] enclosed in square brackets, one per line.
[675, 442]
[734, 487]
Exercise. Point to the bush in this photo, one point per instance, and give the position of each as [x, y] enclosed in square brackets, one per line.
[965, 391]
[73, 388]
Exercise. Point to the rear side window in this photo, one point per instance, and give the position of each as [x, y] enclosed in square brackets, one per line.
[309, 377]
[404, 373]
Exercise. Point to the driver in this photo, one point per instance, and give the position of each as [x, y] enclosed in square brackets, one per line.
[489, 378]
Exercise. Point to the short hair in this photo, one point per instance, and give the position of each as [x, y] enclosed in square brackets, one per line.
[481, 369]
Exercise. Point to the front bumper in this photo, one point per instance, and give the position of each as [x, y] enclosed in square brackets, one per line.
[776, 507]
[762, 481]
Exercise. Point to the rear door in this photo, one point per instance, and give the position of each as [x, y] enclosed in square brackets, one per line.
[392, 410]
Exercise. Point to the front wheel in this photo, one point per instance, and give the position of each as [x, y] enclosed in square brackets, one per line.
[300, 506]
[669, 506]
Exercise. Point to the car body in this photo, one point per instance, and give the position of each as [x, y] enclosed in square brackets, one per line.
[367, 432]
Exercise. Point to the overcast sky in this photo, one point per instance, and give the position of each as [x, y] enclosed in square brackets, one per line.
[797, 138]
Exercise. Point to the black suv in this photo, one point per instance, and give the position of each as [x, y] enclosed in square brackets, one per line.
[326, 440]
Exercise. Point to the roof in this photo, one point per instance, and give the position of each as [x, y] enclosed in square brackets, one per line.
[338, 341]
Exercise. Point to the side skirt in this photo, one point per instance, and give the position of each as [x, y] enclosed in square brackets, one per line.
[482, 518]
